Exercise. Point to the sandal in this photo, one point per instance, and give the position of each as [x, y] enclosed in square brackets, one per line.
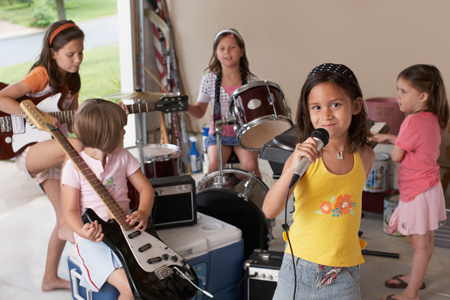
[402, 284]
[391, 297]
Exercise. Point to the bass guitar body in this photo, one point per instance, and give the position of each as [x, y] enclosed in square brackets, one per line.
[16, 134]
[148, 262]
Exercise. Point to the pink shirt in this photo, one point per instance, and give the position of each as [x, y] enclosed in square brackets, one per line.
[228, 130]
[119, 165]
[420, 137]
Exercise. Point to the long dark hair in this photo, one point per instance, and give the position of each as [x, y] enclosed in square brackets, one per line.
[45, 59]
[428, 79]
[359, 130]
[214, 63]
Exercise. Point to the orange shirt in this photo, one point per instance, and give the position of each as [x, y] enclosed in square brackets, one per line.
[38, 81]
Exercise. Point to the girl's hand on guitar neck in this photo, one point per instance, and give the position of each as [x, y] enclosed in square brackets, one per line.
[56, 122]
[124, 107]
[92, 231]
[138, 219]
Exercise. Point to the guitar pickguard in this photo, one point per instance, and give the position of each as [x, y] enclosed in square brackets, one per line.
[31, 134]
[149, 252]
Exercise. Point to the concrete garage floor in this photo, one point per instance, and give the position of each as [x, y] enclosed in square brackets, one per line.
[27, 218]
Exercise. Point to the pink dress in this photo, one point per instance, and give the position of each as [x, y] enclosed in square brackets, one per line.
[422, 202]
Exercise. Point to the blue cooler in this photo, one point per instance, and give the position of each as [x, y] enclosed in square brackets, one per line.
[214, 249]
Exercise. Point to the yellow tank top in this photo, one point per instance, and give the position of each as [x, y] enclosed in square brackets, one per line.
[327, 216]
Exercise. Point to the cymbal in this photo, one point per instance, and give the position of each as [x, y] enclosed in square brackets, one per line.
[136, 96]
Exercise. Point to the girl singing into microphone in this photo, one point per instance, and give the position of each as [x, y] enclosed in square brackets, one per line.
[324, 251]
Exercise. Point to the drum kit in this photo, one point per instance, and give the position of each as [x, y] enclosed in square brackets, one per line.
[259, 112]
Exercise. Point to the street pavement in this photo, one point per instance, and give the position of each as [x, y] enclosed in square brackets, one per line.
[21, 44]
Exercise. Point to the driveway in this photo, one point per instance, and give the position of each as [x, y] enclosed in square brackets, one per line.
[20, 44]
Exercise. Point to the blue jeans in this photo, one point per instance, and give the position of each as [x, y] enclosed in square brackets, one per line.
[226, 141]
[309, 275]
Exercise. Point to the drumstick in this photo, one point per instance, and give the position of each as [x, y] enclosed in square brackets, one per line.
[164, 139]
[156, 80]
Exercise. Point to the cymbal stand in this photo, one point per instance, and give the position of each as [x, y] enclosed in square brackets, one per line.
[140, 140]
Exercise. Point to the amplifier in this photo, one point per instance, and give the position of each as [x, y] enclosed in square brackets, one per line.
[266, 265]
[175, 203]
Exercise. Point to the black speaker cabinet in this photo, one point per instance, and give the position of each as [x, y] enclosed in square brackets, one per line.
[175, 203]
[266, 264]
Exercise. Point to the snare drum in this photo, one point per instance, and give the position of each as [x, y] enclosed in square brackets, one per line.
[160, 160]
[261, 113]
[238, 203]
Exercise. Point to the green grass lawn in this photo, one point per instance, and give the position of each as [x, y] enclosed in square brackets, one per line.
[76, 10]
[100, 72]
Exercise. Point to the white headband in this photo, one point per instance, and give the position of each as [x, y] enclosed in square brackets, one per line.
[228, 31]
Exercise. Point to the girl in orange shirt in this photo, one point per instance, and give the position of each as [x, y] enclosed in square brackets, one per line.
[56, 70]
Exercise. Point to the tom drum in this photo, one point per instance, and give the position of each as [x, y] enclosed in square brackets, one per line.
[260, 113]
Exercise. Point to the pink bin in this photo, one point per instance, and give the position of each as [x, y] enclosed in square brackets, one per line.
[386, 110]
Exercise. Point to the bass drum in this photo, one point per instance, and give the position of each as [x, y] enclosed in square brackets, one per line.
[238, 203]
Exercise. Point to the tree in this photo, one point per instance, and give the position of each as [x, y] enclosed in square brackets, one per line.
[61, 10]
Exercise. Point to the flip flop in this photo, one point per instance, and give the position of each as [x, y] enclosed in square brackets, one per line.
[391, 297]
[402, 284]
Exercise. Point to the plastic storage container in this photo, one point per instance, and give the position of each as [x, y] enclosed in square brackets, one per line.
[385, 110]
[378, 180]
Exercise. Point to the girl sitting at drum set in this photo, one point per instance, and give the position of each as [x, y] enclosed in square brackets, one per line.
[229, 71]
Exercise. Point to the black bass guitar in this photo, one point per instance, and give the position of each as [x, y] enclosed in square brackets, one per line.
[154, 270]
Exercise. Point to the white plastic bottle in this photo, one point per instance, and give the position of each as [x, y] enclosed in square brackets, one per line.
[195, 159]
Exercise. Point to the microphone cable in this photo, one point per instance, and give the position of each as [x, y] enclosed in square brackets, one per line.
[239, 285]
[289, 241]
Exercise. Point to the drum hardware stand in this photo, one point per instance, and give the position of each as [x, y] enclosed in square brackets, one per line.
[140, 141]
[247, 185]
[270, 99]
[220, 180]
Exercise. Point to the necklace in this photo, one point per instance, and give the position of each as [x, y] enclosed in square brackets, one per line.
[339, 154]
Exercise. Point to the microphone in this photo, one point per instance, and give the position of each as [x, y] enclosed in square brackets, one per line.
[321, 136]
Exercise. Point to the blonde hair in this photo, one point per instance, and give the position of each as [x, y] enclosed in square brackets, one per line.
[98, 124]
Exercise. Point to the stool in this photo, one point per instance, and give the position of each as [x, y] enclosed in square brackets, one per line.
[233, 159]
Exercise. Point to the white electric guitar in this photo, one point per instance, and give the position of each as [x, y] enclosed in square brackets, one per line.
[16, 134]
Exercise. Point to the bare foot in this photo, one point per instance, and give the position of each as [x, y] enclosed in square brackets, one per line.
[55, 283]
[65, 233]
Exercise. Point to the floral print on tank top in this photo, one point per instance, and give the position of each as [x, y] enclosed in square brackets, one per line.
[337, 206]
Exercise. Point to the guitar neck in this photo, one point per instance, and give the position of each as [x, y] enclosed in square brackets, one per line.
[68, 116]
[116, 211]
[64, 116]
